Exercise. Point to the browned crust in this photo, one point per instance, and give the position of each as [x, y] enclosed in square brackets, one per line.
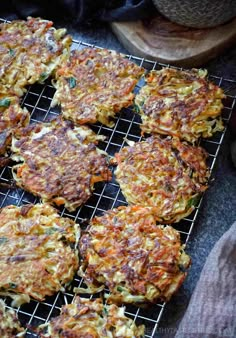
[86, 318]
[137, 260]
[9, 324]
[30, 51]
[12, 116]
[38, 251]
[98, 83]
[61, 165]
[164, 174]
[179, 103]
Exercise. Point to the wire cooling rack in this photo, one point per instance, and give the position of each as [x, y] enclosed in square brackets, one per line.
[106, 195]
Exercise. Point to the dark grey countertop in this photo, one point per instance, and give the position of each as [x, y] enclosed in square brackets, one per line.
[218, 210]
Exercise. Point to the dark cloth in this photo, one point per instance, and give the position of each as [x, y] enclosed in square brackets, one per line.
[232, 128]
[82, 10]
[212, 309]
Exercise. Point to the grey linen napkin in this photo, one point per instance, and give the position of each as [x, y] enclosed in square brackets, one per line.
[211, 312]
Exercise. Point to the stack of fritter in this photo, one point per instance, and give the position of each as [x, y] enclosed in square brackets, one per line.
[161, 177]
[165, 173]
[30, 51]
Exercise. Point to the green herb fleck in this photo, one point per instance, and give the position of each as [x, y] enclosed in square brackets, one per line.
[193, 202]
[120, 289]
[105, 310]
[5, 102]
[72, 82]
[50, 231]
[12, 285]
[130, 230]
[11, 52]
[3, 240]
[136, 109]
[43, 76]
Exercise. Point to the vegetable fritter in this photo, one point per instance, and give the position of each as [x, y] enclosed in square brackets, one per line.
[137, 260]
[61, 163]
[12, 116]
[30, 51]
[91, 319]
[164, 174]
[38, 252]
[9, 324]
[94, 85]
[180, 103]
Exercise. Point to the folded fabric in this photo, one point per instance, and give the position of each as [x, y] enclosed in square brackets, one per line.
[84, 10]
[211, 312]
[233, 152]
[232, 129]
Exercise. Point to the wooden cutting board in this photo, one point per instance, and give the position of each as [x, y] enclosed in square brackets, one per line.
[161, 40]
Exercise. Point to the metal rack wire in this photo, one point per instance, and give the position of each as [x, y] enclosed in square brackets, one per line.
[106, 195]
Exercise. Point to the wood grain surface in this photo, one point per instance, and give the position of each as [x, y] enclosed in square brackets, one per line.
[161, 40]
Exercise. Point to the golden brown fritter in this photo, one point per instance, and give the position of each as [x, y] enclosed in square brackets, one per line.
[86, 318]
[30, 51]
[38, 252]
[180, 103]
[9, 324]
[12, 116]
[94, 85]
[61, 163]
[164, 174]
[137, 260]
